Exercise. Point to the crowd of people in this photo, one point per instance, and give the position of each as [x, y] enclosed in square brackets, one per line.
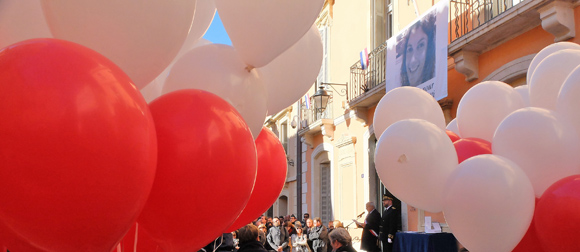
[284, 234]
[287, 234]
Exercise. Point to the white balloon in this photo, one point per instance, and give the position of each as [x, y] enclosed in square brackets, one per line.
[549, 77]
[407, 103]
[204, 14]
[413, 159]
[568, 102]
[489, 203]
[155, 87]
[545, 53]
[21, 20]
[524, 92]
[217, 68]
[544, 146]
[289, 76]
[453, 126]
[484, 106]
[261, 30]
[141, 37]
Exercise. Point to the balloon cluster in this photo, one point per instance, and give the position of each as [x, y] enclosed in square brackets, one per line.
[89, 165]
[506, 171]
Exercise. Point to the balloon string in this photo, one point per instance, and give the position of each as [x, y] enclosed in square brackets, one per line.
[136, 236]
[221, 241]
[249, 69]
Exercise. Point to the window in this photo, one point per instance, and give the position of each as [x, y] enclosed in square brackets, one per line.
[382, 21]
[323, 74]
[284, 136]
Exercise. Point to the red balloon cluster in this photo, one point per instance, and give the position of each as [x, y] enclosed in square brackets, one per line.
[83, 157]
[205, 173]
[78, 148]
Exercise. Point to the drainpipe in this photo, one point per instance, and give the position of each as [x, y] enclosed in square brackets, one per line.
[299, 164]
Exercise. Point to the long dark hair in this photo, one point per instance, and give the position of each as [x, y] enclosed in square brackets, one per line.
[427, 25]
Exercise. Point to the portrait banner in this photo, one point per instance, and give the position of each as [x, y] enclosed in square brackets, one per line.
[417, 56]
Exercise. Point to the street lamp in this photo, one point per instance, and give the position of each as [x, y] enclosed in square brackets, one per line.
[320, 99]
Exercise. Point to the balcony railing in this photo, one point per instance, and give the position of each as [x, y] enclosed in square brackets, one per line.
[310, 115]
[361, 80]
[466, 15]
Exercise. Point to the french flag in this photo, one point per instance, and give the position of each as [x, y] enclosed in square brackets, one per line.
[307, 101]
[364, 59]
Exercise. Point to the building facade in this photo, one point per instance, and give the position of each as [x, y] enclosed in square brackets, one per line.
[331, 172]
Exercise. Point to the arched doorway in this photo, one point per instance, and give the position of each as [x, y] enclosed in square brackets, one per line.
[283, 206]
[325, 196]
[322, 183]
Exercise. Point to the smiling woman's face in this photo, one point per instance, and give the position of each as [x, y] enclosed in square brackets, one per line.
[416, 52]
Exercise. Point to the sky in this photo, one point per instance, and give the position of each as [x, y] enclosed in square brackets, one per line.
[216, 32]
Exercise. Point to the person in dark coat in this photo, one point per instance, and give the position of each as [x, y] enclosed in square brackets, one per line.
[278, 237]
[330, 228]
[306, 230]
[224, 243]
[371, 229]
[249, 241]
[341, 241]
[319, 236]
[389, 224]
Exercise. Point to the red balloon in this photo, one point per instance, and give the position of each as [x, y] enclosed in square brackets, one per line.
[205, 173]
[469, 147]
[78, 146]
[138, 240]
[454, 137]
[10, 241]
[270, 180]
[556, 217]
[530, 241]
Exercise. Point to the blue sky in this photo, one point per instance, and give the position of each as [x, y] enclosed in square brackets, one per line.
[216, 32]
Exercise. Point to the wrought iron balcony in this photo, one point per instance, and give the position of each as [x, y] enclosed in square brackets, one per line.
[466, 15]
[362, 81]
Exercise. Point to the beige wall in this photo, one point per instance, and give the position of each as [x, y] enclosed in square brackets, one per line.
[350, 32]
[404, 12]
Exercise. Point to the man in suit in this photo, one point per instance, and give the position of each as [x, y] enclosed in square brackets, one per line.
[389, 224]
[278, 237]
[371, 229]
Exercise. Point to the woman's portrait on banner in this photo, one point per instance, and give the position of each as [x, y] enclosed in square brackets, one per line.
[416, 49]
[417, 55]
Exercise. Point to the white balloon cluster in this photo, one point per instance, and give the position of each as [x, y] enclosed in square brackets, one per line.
[534, 131]
[267, 69]
[275, 58]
